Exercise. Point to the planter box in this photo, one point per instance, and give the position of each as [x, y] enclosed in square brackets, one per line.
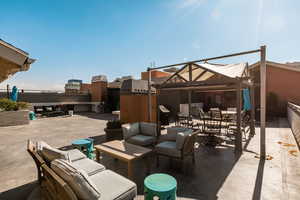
[14, 118]
[113, 134]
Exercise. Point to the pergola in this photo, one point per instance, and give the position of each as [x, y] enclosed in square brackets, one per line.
[201, 75]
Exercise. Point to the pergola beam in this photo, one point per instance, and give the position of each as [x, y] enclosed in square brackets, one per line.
[200, 75]
[172, 75]
[208, 59]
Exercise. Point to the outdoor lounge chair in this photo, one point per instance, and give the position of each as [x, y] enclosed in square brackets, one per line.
[140, 133]
[177, 145]
[72, 176]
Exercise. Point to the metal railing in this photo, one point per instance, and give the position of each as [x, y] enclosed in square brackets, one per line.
[293, 113]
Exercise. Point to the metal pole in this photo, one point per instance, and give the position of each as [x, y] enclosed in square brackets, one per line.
[263, 101]
[189, 91]
[252, 97]
[238, 136]
[149, 95]
[7, 91]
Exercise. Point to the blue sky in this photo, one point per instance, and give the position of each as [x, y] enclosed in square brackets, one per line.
[79, 39]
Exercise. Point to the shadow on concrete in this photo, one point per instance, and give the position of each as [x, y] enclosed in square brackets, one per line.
[201, 180]
[19, 193]
[259, 180]
[105, 116]
[97, 140]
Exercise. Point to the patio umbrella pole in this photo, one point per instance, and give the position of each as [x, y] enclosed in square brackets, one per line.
[149, 94]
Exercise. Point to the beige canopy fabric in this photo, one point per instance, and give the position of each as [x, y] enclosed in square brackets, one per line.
[203, 72]
[230, 70]
[12, 60]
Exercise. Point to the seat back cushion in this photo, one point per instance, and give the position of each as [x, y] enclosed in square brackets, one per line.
[181, 136]
[130, 130]
[148, 128]
[77, 179]
[50, 153]
[75, 155]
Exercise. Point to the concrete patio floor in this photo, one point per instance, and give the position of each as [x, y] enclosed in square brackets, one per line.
[217, 174]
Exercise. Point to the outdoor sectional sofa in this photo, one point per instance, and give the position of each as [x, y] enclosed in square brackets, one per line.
[140, 133]
[70, 175]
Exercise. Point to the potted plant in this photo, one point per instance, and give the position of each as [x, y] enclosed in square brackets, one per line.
[113, 130]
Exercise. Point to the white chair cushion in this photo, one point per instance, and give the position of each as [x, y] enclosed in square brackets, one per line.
[142, 140]
[112, 186]
[89, 166]
[78, 180]
[50, 153]
[168, 148]
[75, 154]
[180, 138]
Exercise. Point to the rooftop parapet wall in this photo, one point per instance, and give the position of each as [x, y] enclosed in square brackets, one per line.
[49, 97]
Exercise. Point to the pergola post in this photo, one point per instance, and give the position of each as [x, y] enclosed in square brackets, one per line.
[149, 95]
[252, 119]
[263, 101]
[238, 136]
[189, 91]
[158, 113]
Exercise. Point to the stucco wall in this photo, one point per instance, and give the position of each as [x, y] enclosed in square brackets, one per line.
[50, 97]
[13, 118]
[282, 82]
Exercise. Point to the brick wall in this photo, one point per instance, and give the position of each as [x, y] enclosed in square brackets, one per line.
[154, 74]
[85, 88]
[99, 91]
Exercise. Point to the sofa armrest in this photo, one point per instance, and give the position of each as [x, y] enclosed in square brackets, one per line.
[128, 131]
[167, 137]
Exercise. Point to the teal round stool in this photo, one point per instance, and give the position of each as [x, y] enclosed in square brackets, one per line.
[162, 186]
[32, 115]
[84, 144]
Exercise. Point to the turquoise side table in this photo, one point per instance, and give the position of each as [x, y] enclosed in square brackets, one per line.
[162, 186]
[86, 144]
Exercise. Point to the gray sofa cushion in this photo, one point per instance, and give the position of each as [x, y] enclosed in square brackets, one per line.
[78, 180]
[147, 128]
[89, 166]
[168, 148]
[112, 186]
[75, 155]
[180, 138]
[142, 140]
[130, 130]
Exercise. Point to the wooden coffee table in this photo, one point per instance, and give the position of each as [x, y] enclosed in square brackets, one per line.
[124, 151]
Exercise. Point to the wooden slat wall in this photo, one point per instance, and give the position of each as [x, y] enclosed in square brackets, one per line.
[134, 108]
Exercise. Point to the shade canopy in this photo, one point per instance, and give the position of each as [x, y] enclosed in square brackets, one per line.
[206, 74]
[12, 60]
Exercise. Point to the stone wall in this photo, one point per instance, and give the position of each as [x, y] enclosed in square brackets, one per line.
[13, 118]
[293, 112]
